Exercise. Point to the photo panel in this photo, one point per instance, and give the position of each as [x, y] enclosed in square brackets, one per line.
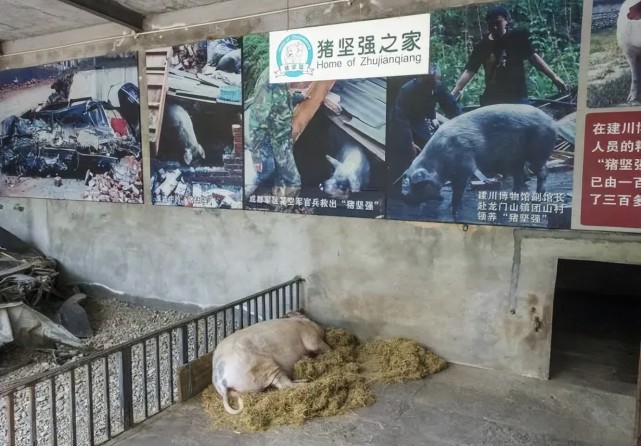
[71, 130]
[614, 61]
[488, 136]
[196, 122]
[312, 147]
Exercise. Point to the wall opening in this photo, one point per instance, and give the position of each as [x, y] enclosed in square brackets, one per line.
[596, 325]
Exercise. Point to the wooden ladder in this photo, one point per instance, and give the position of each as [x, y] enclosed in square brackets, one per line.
[157, 68]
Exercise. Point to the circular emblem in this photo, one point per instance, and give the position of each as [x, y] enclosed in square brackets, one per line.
[294, 56]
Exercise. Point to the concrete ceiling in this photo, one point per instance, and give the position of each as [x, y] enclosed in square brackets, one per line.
[147, 7]
[20, 19]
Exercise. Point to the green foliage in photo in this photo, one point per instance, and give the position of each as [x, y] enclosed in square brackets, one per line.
[555, 32]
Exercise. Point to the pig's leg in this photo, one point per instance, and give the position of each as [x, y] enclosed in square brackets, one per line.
[459, 184]
[461, 181]
[518, 178]
[541, 176]
[282, 381]
[634, 59]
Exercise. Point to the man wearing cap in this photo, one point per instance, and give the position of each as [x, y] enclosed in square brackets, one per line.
[412, 119]
[502, 54]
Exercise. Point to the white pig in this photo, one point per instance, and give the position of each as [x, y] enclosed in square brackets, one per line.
[263, 355]
[629, 38]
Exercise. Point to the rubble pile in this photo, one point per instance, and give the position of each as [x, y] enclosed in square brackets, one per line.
[122, 184]
[27, 278]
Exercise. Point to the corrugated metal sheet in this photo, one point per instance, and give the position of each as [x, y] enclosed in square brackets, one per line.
[365, 101]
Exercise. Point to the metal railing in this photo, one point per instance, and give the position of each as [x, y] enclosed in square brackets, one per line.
[93, 399]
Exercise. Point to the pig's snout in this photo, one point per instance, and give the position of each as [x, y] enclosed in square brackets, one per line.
[336, 189]
[420, 185]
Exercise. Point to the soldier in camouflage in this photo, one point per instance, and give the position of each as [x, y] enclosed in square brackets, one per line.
[270, 142]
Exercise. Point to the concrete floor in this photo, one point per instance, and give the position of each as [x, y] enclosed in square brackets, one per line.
[459, 406]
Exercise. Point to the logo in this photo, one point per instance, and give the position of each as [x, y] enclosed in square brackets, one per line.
[294, 56]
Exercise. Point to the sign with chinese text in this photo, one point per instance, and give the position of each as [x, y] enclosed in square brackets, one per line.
[612, 170]
[375, 48]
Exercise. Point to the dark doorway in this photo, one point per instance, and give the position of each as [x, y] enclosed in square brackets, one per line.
[596, 325]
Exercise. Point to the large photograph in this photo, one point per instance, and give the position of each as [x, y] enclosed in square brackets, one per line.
[488, 135]
[312, 147]
[195, 134]
[615, 54]
[71, 130]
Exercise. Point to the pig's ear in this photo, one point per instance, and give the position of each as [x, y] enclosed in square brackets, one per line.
[333, 162]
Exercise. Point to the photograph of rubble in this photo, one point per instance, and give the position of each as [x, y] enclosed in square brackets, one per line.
[71, 130]
[312, 147]
[195, 134]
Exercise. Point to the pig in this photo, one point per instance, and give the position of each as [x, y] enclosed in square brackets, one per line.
[263, 355]
[629, 39]
[351, 172]
[230, 62]
[217, 48]
[178, 134]
[497, 139]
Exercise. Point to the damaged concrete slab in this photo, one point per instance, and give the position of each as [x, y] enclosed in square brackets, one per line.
[461, 405]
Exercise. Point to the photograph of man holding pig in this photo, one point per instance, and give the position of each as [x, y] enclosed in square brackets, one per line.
[507, 157]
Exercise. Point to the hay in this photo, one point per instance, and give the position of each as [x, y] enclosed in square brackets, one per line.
[398, 360]
[338, 382]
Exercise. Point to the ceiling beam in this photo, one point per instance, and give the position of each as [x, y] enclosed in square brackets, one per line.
[110, 10]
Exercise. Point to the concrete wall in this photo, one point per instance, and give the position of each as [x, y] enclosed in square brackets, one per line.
[479, 295]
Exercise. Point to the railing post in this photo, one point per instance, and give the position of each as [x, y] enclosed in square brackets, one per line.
[184, 344]
[286, 294]
[126, 388]
[11, 418]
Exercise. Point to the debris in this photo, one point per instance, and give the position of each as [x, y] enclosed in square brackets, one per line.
[121, 184]
[25, 273]
[338, 382]
[31, 329]
[74, 318]
[61, 87]
[27, 278]
[237, 132]
[57, 181]
[169, 183]
[59, 136]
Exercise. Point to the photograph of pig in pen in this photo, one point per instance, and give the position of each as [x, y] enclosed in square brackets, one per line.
[195, 106]
[312, 147]
[71, 130]
[488, 136]
[615, 54]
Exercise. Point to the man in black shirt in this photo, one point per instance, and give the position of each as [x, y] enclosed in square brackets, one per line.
[502, 54]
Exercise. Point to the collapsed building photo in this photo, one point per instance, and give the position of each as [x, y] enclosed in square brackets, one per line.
[196, 124]
[71, 130]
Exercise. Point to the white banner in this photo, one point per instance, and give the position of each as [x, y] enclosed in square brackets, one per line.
[397, 46]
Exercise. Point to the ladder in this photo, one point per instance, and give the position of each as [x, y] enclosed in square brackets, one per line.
[157, 67]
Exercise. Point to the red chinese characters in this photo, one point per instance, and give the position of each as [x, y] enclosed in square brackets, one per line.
[611, 181]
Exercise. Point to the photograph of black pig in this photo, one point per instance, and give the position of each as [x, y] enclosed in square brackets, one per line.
[502, 139]
[196, 151]
[504, 164]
